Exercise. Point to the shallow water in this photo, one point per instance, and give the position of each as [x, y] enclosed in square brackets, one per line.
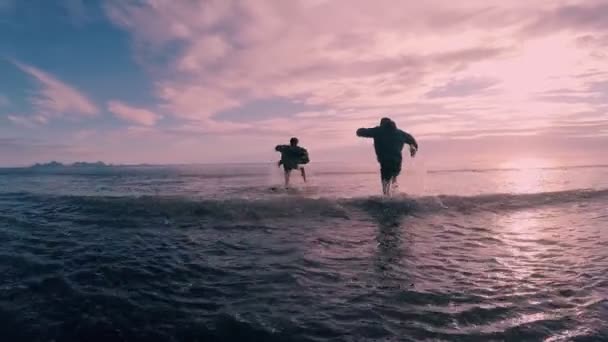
[193, 253]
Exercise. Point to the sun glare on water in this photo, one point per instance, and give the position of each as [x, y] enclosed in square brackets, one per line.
[528, 163]
[526, 175]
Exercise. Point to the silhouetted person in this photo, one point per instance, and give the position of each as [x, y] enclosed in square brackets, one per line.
[388, 143]
[292, 156]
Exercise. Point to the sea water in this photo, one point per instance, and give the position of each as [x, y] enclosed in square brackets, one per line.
[224, 253]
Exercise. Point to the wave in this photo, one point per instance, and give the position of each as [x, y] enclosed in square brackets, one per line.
[292, 206]
[245, 170]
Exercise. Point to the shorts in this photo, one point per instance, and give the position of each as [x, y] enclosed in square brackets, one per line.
[390, 169]
[288, 166]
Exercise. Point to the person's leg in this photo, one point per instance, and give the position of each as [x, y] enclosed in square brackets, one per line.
[386, 187]
[395, 174]
[392, 184]
[287, 174]
[303, 173]
[389, 171]
[385, 178]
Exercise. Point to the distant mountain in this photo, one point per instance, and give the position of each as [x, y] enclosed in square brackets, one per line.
[84, 164]
[50, 165]
[55, 165]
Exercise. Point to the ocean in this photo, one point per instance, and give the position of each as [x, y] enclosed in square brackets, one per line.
[224, 253]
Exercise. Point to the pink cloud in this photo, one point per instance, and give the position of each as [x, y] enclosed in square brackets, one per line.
[194, 101]
[212, 127]
[285, 49]
[205, 51]
[132, 114]
[358, 59]
[56, 98]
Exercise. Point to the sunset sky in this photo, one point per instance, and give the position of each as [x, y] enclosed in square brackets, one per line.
[166, 81]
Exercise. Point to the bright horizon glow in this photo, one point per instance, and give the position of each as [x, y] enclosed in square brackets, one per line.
[218, 81]
[529, 163]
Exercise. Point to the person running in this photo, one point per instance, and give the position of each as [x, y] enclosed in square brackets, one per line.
[292, 156]
[388, 144]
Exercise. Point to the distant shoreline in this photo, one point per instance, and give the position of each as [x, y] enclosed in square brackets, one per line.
[53, 165]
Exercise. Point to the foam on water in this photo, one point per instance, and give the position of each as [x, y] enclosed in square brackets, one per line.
[295, 204]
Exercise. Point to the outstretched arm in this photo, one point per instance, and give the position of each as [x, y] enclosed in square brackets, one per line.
[280, 148]
[366, 132]
[409, 139]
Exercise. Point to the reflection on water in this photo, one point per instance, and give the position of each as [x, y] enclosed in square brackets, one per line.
[389, 238]
[520, 231]
[528, 175]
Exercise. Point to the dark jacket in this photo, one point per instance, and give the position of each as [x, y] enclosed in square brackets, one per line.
[388, 141]
[292, 155]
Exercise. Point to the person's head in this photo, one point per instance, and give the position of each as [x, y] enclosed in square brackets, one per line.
[293, 141]
[388, 123]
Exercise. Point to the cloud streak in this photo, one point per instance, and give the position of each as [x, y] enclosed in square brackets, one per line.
[27, 121]
[132, 114]
[462, 88]
[583, 16]
[56, 98]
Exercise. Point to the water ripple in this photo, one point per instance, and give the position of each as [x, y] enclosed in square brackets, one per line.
[72, 273]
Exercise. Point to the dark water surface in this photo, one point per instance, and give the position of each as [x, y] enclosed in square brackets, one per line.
[293, 267]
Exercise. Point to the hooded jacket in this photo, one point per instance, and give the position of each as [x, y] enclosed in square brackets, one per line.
[388, 140]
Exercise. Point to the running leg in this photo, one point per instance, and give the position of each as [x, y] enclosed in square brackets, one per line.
[386, 185]
[287, 174]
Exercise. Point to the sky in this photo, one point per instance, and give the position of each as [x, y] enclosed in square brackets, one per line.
[201, 81]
